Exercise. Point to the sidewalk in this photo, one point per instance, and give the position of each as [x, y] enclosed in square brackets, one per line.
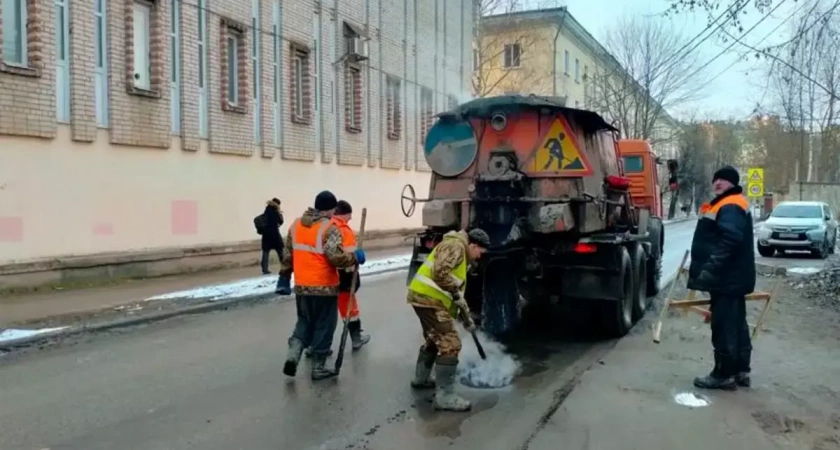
[641, 394]
[60, 307]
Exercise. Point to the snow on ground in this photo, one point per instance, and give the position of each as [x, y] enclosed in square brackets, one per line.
[12, 334]
[265, 284]
[804, 270]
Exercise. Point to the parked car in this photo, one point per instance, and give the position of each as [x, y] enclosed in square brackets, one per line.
[810, 226]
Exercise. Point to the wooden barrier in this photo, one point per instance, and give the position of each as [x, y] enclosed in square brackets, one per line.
[695, 305]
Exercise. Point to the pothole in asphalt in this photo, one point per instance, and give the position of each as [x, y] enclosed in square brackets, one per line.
[492, 373]
[691, 400]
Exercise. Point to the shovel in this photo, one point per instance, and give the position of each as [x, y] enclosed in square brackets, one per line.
[339, 360]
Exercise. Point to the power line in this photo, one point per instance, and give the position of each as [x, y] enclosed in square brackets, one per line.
[284, 39]
[676, 54]
[737, 60]
[778, 5]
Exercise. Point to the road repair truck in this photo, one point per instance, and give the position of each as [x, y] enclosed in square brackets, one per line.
[573, 213]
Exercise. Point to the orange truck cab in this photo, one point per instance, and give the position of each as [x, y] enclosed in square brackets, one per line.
[640, 163]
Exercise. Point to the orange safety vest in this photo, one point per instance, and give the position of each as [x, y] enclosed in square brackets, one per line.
[309, 262]
[707, 211]
[348, 238]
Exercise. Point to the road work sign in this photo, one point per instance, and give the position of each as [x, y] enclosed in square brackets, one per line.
[560, 152]
[755, 182]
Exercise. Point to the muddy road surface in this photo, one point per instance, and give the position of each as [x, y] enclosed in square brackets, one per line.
[214, 381]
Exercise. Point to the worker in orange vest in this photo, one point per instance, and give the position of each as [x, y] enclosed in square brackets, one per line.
[314, 252]
[341, 219]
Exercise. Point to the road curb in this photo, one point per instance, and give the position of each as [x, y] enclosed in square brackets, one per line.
[209, 306]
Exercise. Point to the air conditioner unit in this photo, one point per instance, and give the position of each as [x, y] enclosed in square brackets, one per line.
[357, 48]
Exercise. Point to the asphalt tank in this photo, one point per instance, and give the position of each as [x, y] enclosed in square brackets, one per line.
[537, 177]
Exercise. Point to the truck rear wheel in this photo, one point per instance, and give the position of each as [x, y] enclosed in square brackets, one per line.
[617, 316]
[654, 262]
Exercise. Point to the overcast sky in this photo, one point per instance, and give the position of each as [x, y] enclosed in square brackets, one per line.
[732, 94]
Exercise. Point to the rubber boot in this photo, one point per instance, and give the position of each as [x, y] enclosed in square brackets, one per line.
[423, 371]
[295, 350]
[356, 336]
[319, 367]
[445, 397]
[743, 379]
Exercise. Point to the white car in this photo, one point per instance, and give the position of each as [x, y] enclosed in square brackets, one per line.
[809, 226]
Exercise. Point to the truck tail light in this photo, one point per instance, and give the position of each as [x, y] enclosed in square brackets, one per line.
[581, 247]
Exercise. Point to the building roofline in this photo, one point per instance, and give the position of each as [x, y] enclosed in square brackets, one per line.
[562, 18]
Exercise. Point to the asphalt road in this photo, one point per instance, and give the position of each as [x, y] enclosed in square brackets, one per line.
[214, 381]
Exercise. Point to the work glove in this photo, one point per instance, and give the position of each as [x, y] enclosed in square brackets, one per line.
[360, 256]
[284, 286]
[461, 304]
[468, 323]
[706, 279]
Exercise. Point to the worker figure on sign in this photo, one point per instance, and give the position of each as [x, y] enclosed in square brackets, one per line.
[437, 294]
[555, 151]
[723, 264]
[314, 252]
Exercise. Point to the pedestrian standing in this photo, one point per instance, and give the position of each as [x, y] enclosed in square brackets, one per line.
[314, 253]
[723, 264]
[341, 219]
[272, 219]
[437, 294]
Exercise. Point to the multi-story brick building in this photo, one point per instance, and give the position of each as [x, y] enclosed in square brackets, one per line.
[128, 124]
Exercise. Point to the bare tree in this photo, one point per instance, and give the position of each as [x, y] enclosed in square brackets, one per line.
[805, 88]
[645, 73]
[504, 47]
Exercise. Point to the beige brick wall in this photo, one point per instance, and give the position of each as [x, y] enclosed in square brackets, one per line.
[27, 96]
[423, 43]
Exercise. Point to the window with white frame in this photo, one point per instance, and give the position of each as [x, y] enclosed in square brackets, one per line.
[512, 55]
[393, 109]
[62, 61]
[14, 33]
[255, 63]
[203, 116]
[232, 61]
[142, 16]
[566, 62]
[301, 85]
[175, 57]
[577, 70]
[101, 71]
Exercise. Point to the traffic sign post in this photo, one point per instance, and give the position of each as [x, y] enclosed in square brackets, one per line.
[755, 182]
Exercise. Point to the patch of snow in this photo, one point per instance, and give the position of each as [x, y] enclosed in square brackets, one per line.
[804, 270]
[265, 284]
[12, 334]
[498, 370]
[691, 400]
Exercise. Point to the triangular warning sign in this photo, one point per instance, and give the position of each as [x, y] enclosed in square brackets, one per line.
[755, 176]
[559, 152]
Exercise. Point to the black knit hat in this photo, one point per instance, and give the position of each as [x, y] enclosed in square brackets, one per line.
[325, 201]
[727, 173]
[343, 207]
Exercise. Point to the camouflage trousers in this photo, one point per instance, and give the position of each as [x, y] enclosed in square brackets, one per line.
[440, 333]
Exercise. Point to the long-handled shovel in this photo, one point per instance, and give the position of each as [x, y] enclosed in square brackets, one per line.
[339, 360]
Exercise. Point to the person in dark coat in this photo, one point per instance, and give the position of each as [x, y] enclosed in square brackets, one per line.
[723, 264]
[271, 239]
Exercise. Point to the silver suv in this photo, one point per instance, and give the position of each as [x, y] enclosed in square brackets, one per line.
[799, 226]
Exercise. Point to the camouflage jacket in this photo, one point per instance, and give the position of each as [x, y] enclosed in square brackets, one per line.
[333, 250]
[449, 254]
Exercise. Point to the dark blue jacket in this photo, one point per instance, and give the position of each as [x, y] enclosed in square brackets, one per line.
[722, 253]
